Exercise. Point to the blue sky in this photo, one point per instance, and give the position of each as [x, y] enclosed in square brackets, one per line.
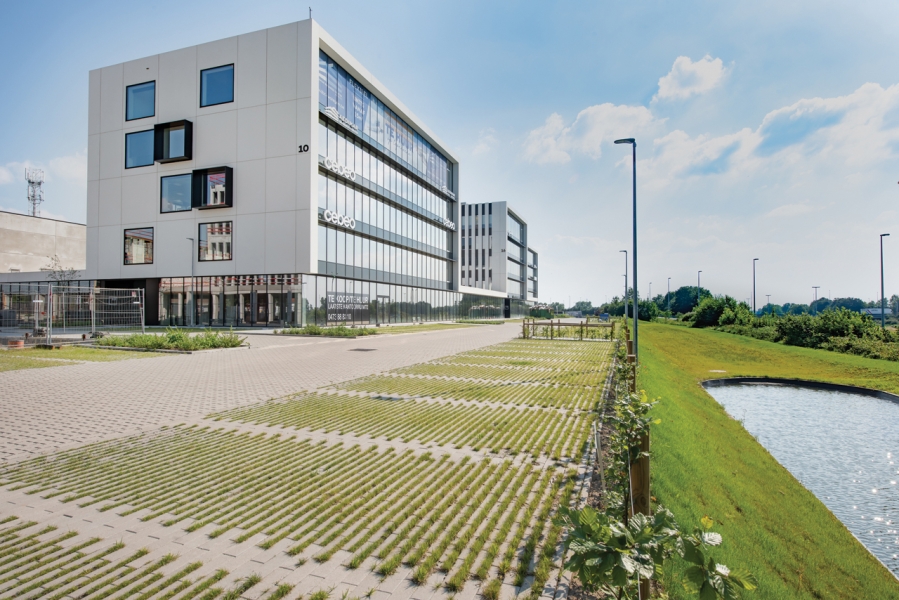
[763, 130]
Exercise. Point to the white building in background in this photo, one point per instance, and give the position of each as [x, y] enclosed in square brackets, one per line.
[28, 244]
[495, 255]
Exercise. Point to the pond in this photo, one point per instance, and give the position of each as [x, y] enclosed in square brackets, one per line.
[842, 446]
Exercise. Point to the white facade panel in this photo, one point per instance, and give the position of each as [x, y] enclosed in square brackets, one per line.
[249, 243]
[249, 187]
[281, 67]
[94, 93]
[251, 133]
[112, 98]
[178, 88]
[110, 202]
[250, 78]
[281, 129]
[280, 184]
[215, 139]
[140, 199]
[280, 242]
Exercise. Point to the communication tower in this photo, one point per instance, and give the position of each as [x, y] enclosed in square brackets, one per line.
[35, 177]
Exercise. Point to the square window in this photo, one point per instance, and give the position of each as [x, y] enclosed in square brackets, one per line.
[217, 85]
[139, 149]
[173, 141]
[175, 193]
[139, 246]
[215, 241]
[213, 188]
[140, 101]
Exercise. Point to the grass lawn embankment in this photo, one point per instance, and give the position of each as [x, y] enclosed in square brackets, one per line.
[706, 463]
[37, 358]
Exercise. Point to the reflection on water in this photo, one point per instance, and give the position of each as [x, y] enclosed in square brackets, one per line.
[843, 447]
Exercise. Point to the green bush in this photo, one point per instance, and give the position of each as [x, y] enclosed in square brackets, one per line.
[711, 309]
[174, 339]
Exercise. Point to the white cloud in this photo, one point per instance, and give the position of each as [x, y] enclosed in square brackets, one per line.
[486, 141]
[71, 168]
[687, 78]
[791, 210]
[5, 176]
[554, 142]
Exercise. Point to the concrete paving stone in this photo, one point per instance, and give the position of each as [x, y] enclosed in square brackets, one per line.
[144, 396]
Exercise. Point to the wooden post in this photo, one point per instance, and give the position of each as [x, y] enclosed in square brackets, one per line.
[640, 496]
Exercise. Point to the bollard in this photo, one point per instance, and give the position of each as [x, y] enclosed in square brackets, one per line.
[630, 347]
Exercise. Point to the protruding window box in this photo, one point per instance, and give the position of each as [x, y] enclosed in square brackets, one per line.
[173, 141]
[213, 188]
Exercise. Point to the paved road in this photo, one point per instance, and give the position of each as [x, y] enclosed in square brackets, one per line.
[43, 410]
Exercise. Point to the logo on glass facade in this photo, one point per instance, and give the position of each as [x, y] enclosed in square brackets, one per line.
[342, 220]
[341, 170]
[447, 191]
[332, 112]
[448, 224]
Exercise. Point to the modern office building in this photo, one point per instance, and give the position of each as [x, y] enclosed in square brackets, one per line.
[267, 179]
[495, 255]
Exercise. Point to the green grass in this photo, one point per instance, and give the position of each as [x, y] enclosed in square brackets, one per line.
[36, 358]
[705, 463]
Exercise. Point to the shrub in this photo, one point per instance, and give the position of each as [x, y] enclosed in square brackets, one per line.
[711, 309]
[174, 339]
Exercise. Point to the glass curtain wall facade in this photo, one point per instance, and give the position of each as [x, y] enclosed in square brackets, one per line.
[477, 245]
[283, 300]
[515, 258]
[385, 203]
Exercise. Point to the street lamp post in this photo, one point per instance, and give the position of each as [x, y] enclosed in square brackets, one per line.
[650, 291]
[815, 287]
[768, 296]
[698, 286]
[192, 293]
[754, 260]
[669, 297]
[882, 301]
[625, 284]
[633, 144]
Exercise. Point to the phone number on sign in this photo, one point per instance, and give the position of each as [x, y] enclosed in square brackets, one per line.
[340, 317]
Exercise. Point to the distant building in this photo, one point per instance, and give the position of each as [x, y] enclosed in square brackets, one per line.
[875, 312]
[27, 243]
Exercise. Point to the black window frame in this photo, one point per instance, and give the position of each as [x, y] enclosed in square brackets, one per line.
[190, 206]
[198, 192]
[125, 153]
[124, 252]
[231, 256]
[159, 131]
[232, 85]
[127, 87]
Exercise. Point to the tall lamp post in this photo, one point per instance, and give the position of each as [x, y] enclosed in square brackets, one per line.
[633, 144]
[192, 294]
[768, 296]
[815, 287]
[698, 286]
[669, 297]
[625, 284]
[754, 260]
[882, 301]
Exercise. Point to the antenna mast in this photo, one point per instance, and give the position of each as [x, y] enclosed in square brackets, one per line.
[35, 177]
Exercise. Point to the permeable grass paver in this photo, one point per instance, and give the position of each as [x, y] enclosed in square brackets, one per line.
[705, 463]
[464, 517]
[37, 358]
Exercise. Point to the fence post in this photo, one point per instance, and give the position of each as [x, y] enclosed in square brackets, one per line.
[143, 319]
[49, 314]
[640, 496]
[92, 301]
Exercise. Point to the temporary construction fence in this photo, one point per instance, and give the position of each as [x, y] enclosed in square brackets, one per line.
[558, 330]
[49, 311]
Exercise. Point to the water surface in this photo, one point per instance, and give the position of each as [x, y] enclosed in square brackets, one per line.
[841, 446]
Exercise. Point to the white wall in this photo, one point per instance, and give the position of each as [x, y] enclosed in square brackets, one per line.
[27, 244]
[257, 135]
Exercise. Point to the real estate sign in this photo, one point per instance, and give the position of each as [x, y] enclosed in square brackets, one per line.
[341, 308]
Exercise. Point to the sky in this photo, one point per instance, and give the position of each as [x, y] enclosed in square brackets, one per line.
[764, 130]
